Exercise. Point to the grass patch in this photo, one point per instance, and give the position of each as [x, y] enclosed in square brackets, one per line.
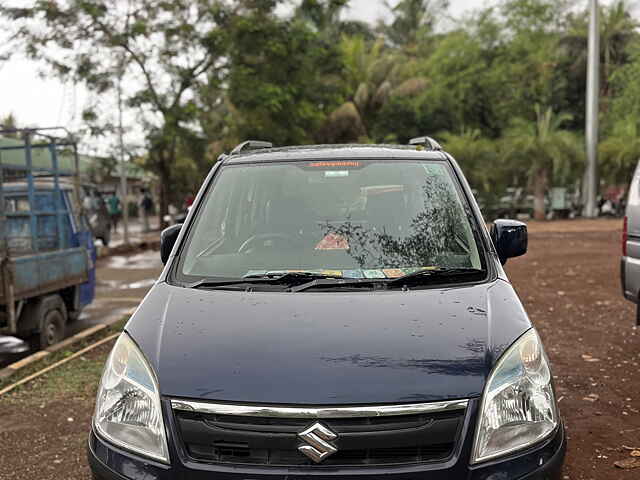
[84, 371]
[76, 380]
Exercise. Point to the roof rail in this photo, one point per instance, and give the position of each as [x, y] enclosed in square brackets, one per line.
[251, 145]
[428, 142]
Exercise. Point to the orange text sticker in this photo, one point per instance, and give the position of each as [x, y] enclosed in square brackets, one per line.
[335, 163]
[393, 272]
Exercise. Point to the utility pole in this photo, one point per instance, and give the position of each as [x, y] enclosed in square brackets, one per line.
[123, 165]
[593, 87]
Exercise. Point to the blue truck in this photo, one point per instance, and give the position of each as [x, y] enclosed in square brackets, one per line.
[47, 253]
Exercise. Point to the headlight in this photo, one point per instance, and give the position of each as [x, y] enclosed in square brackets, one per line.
[518, 406]
[128, 411]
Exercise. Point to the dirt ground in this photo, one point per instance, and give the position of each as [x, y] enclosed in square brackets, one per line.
[570, 285]
[44, 425]
[569, 282]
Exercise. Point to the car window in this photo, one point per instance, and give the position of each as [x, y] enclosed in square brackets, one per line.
[358, 219]
[19, 226]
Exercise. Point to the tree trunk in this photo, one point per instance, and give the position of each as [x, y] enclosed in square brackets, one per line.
[539, 190]
[163, 207]
[165, 181]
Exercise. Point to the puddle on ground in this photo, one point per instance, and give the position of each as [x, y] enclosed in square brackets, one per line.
[145, 260]
[120, 285]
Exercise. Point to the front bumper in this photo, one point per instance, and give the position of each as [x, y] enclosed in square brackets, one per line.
[542, 462]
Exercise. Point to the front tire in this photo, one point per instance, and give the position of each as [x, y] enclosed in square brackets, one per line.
[53, 320]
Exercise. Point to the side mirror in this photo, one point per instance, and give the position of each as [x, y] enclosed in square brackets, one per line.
[510, 238]
[12, 345]
[168, 239]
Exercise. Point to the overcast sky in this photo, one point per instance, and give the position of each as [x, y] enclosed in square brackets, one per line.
[47, 102]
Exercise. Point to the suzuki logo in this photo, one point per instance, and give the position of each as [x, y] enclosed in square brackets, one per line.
[317, 437]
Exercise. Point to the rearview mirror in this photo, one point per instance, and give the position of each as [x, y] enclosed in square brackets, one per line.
[510, 239]
[168, 239]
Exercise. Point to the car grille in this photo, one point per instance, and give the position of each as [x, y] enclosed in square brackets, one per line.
[397, 439]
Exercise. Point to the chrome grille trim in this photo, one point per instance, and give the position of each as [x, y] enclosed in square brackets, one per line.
[317, 412]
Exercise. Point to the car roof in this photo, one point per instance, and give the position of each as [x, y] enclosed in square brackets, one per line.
[326, 152]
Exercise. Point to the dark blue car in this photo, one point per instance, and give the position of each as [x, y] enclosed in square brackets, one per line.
[331, 312]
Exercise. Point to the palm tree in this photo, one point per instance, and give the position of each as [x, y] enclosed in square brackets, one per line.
[477, 155]
[620, 152]
[411, 18]
[325, 16]
[370, 73]
[480, 158]
[544, 150]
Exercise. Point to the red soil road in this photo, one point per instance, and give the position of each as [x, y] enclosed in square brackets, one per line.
[570, 285]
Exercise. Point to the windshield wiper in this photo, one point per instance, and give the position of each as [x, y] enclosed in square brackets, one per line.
[337, 282]
[411, 278]
[441, 272]
[300, 281]
[288, 278]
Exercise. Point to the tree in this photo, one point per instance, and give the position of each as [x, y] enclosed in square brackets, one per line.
[529, 57]
[281, 80]
[370, 73]
[412, 19]
[618, 30]
[543, 150]
[620, 151]
[325, 16]
[625, 88]
[475, 154]
[9, 123]
[164, 50]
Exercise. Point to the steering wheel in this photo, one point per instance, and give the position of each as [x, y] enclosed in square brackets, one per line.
[246, 246]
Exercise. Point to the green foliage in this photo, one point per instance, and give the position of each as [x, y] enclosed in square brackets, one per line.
[279, 78]
[370, 74]
[203, 75]
[626, 87]
[413, 20]
[325, 17]
[7, 124]
[474, 152]
[543, 151]
[543, 144]
[620, 151]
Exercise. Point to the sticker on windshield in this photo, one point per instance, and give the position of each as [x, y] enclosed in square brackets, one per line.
[331, 273]
[335, 163]
[374, 274]
[410, 270]
[336, 173]
[353, 274]
[333, 241]
[393, 272]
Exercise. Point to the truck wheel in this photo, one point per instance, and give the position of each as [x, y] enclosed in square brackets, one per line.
[53, 319]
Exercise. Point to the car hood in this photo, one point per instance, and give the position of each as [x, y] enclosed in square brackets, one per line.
[325, 348]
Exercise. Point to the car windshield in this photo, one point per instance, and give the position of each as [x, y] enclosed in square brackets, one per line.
[351, 219]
